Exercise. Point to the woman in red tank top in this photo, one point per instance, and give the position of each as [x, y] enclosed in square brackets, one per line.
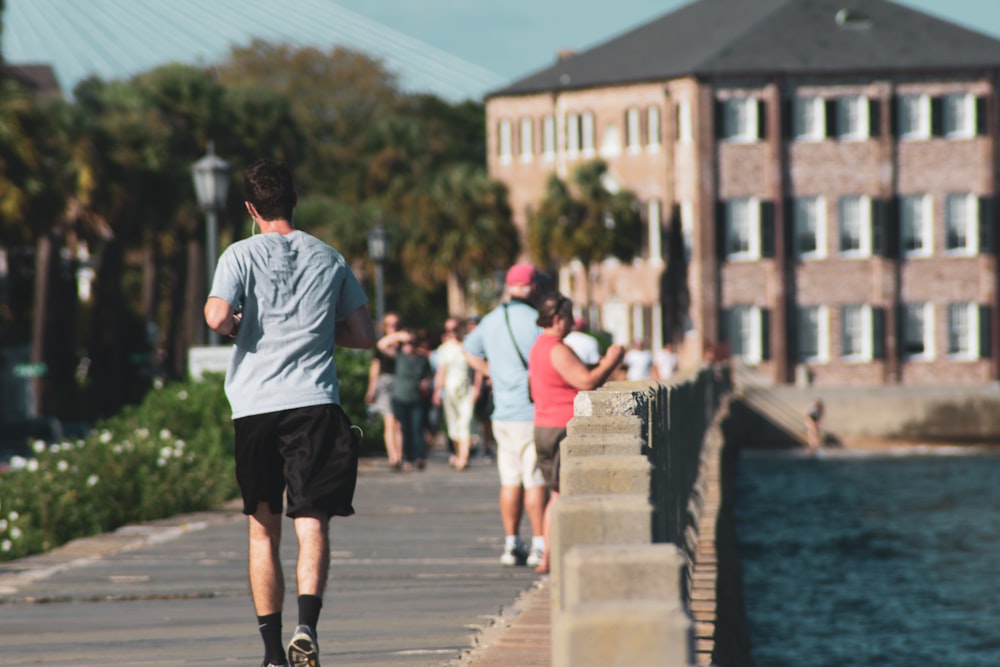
[556, 375]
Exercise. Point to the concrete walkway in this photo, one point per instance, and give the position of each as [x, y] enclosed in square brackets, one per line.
[415, 581]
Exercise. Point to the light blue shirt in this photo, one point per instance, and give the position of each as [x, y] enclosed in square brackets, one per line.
[292, 290]
[492, 341]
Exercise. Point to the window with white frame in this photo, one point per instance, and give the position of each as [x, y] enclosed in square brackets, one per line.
[611, 141]
[963, 330]
[914, 116]
[653, 128]
[809, 214]
[813, 334]
[856, 332]
[854, 220]
[740, 119]
[655, 221]
[961, 224]
[505, 145]
[918, 330]
[959, 112]
[743, 228]
[587, 134]
[852, 117]
[549, 137]
[809, 118]
[916, 225]
[527, 139]
[685, 131]
[687, 227]
[633, 130]
[746, 333]
[572, 134]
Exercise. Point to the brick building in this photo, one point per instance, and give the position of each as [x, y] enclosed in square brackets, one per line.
[832, 165]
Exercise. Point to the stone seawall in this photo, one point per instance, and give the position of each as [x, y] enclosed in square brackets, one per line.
[642, 551]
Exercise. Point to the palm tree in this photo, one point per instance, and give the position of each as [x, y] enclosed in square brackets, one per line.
[585, 221]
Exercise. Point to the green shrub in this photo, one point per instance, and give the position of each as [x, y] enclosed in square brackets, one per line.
[168, 455]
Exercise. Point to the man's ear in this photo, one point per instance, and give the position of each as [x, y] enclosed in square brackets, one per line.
[251, 210]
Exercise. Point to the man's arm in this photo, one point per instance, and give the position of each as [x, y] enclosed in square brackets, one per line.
[221, 317]
[356, 330]
[477, 363]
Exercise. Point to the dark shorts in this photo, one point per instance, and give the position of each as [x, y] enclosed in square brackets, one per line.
[311, 453]
[547, 441]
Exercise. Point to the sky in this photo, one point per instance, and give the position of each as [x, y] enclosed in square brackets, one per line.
[518, 37]
[456, 48]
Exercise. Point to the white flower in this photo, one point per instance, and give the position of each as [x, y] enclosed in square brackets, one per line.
[14, 516]
[165, 434]
[106, 436]
[93, 480]
[161, 462]
[3, 524]
[117, 449]
[54, 449]
[32, 465]
[182, 395]
[18, 463]
[38, 446]
[158, 383]
[6, 545]
[62, 466]
[166, 452]
[15, 532]
[142, 433]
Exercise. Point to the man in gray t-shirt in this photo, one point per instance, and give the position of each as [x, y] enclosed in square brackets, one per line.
[288, 300]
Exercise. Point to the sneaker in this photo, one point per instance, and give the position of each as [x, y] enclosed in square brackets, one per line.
[516, 556]
[303, 650]
[535, 557]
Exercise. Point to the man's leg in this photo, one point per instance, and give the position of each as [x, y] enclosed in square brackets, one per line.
[311, 570]
[267, 582]
[534, 506]
[511, 508]
[312, 528]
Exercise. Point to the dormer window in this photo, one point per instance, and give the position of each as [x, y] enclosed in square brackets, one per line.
[850, 18]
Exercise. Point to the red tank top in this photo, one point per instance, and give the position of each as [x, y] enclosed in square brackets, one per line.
[553, 396]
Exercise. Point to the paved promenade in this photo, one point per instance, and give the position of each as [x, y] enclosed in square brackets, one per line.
[415, 581]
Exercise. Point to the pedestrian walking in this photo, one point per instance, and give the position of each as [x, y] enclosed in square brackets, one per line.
[557, 375]
[410, 391]
[499, 347]
[379, 394]
[288, 300]
[453, 391]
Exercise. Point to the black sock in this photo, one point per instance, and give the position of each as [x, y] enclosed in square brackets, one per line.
[309, 606]
[270, 632]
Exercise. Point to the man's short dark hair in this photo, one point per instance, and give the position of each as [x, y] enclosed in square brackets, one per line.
[268, 186]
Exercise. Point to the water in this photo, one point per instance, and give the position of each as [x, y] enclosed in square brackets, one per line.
[881, 561]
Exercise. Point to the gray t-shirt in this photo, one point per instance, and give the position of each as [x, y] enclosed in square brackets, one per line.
[292, 289]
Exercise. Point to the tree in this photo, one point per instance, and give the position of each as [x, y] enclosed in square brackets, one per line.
[585, 221]
[460, 229]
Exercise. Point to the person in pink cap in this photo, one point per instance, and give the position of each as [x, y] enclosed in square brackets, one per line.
[499, 347]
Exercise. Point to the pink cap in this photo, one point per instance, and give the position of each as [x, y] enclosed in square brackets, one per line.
[521, 274]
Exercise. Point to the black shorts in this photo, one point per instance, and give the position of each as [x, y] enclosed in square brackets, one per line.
[547, 441]
[312, 452]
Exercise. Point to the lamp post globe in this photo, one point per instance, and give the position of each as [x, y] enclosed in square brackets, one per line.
[211, 185]
[378, 248]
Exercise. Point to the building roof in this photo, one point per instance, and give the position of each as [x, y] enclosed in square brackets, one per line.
[117, 39]
[711, 38]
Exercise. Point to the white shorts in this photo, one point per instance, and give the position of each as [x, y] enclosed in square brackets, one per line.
[516, 458]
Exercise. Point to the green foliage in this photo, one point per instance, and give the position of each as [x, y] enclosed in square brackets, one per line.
[168, 455]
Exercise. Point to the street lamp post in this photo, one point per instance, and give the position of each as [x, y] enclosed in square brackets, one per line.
[378, 247]
[211, 184]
